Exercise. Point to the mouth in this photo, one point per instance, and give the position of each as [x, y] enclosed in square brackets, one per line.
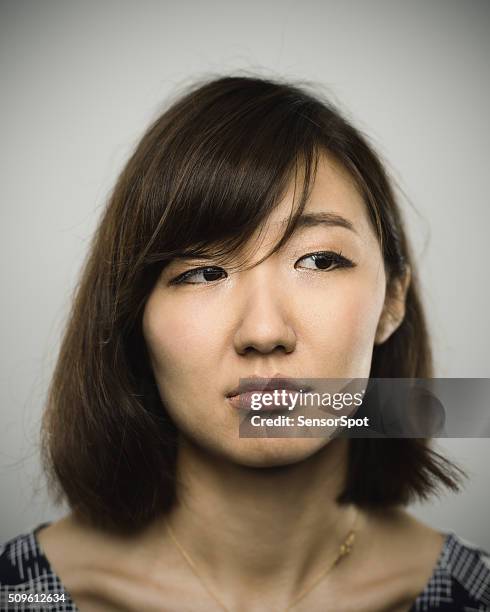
[273, 393]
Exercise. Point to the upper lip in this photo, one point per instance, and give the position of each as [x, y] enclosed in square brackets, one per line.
[268, 383]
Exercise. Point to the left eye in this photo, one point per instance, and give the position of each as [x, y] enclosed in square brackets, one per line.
[327, 260]
[200, 275]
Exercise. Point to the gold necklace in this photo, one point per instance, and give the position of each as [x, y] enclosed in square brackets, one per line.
[344, 549]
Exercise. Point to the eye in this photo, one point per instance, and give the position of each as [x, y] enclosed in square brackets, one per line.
[199, 276]
[325, 260]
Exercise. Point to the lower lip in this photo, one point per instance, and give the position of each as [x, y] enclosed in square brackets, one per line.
[243, 401]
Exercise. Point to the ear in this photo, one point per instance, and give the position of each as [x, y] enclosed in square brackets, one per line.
[394, 307]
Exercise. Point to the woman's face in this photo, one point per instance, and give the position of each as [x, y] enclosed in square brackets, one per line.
[298, 314]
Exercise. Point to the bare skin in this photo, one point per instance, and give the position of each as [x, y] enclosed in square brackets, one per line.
[258, 515]
[258, 558]
[103, 573]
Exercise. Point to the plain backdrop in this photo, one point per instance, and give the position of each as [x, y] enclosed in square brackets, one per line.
[81, 81]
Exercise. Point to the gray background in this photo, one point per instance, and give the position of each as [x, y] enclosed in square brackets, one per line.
[81, 80]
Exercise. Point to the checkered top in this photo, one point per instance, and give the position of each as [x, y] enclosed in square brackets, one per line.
[460, 580]
[24, 570]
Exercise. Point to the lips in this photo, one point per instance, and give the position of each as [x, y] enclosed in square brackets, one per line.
[243, 395]
[261, 384]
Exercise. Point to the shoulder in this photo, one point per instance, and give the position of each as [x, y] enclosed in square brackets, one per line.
[24, 570]
[439, 570]
[461, 578]
[21, 559]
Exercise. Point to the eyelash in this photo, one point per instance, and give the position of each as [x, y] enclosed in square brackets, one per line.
[336, 257]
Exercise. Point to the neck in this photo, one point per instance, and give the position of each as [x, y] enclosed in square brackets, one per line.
[247, 526]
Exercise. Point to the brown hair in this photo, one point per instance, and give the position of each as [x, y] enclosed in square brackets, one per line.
[204, 176]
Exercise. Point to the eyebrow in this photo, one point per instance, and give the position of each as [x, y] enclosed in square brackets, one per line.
[329, 219]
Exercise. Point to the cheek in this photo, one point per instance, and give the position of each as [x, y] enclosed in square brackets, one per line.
[345, 320]
[355, 324]
[181, 340]
[185, 347]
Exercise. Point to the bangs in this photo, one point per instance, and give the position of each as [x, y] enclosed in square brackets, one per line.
[217, 179]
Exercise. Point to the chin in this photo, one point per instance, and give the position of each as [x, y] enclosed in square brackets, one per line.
[271, 452]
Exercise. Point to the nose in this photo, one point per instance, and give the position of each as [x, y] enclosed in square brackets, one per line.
[264, 325]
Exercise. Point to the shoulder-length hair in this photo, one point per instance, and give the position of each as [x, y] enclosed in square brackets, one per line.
[204, 176]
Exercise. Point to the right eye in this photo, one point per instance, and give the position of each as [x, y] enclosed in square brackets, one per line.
[199, 276]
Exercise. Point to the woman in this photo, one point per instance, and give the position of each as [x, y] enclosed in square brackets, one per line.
[252, 234]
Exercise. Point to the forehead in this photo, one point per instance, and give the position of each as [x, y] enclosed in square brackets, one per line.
[334, 191]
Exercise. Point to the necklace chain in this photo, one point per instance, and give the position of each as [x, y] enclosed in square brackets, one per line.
[344, 549]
